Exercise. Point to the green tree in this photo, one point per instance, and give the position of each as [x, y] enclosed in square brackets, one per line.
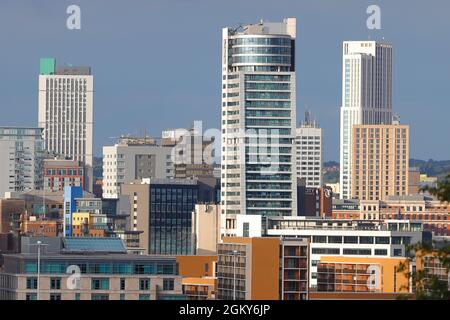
[442, 191]
[429, 286]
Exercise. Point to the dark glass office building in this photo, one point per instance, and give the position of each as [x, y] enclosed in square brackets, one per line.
[171, 207]
[162, 210]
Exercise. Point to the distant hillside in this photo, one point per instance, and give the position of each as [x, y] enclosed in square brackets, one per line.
[431, 167]
[331, 172]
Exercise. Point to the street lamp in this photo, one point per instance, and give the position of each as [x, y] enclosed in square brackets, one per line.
[38, 244]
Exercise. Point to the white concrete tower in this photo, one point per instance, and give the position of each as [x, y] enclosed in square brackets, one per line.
[309, 152]
[66, 113]
[366, 96]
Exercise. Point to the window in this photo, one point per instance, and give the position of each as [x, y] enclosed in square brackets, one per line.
[32, 283]
[144, 284]
[397, 252]
[77, 296]
[97, 297]
[325, 251]
[122, 296]
[31, 296]
[357, 252]
[320, 239]
[144, 297]
[246, 231]
[382, 240]
[350, 239]
[122, 284]
[55, 283]
[55, 296]
[381, 252]
[334, 239]
[100, 284]
[366, 240]
[168, 284]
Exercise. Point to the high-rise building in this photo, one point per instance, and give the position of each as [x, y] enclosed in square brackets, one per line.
[258, 119]
[380, 161]
[366, 96]
[309, 152]
[134, 158]
[66, 113]
[21, 156]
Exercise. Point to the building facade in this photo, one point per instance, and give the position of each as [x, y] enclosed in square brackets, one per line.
[162, 209]
[380, 161]
[21, 156]
[134, 158]
[294, 269]
[258, 119]
[362, 275]
[105, 272]
[66, 115]
[71, 194]
[309, 152]
[329, 237]
[366, 96]
[248, 269]
[207, 227]
[61, 173]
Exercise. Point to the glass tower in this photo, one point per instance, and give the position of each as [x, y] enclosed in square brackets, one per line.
[258, 119]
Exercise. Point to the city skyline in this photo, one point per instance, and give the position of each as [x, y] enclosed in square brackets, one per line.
[148, 93]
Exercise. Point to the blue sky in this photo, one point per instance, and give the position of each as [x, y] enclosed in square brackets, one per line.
[157, 63]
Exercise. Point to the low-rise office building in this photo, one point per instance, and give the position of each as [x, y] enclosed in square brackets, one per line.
[330, 237]
[87, 269]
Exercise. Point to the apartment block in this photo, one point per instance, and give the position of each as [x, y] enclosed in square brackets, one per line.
[294, 269]
[248, 269]
[21, 156]
[362, 275]
[380, 161]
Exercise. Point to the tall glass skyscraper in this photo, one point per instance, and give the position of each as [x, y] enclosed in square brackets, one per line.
[258, 119]
[366, 96]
